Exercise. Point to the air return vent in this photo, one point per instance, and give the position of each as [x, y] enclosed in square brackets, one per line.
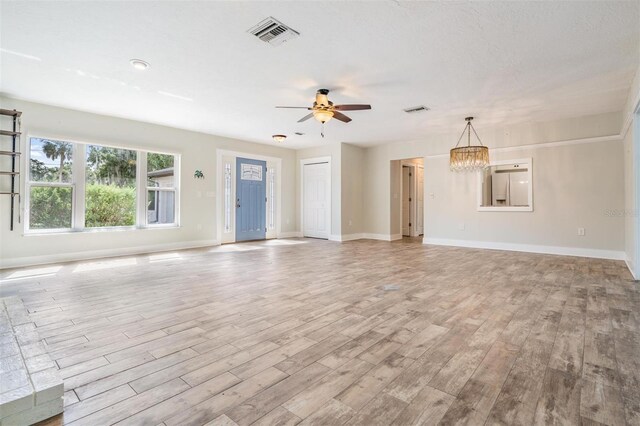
[273, 31]
[413, 110]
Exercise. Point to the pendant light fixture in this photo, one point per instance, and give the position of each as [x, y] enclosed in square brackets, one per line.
[470, 157]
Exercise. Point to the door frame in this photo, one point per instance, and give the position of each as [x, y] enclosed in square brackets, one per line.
[413, 214]
[219, 177]
[315, 160]
[412, 195]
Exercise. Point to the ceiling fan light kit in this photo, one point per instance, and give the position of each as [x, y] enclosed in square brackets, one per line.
[323, 115]
[470, 157]
[324, 110]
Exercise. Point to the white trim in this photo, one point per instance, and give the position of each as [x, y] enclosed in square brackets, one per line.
[315, 160]
[635, 109]
[635, 164]
[567, 142]
[219, 179]
[529, 248]
[635, 277]
[382, 237]
[351, 237]
[529, 208]
[99, 254]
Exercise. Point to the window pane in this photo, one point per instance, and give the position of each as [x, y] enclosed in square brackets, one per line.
[160, 170]
[111, 187]
[50, 160]
[50, 207]
[161, 207]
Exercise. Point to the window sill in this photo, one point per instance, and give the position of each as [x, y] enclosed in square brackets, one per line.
[40, 233]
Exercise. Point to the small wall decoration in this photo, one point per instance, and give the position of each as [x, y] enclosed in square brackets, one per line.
[198, 174]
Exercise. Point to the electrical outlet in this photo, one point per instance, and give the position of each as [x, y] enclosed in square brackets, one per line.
[581, 232]
[199, 227]
[431, 195]
[350, 223]
[461, 226]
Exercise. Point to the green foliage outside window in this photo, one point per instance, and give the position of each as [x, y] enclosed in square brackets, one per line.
[110, 206]
[50, 208]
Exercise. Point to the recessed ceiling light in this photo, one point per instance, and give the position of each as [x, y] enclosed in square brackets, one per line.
[279, 138]
[139, 64]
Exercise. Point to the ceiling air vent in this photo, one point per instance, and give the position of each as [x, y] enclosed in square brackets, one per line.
[273, 31]
[413, 110]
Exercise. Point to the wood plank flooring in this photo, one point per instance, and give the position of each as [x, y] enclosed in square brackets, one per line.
[303, 331]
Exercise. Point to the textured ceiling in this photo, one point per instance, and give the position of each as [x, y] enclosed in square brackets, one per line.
[504, 62]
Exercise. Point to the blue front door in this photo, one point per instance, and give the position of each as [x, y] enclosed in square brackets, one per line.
[251, 201]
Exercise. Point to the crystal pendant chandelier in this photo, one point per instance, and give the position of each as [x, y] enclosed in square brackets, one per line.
[470, 157]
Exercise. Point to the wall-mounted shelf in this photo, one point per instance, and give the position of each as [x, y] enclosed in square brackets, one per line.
[10, 112]
[14, 134]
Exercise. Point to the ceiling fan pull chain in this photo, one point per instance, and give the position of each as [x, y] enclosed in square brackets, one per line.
[322, 130]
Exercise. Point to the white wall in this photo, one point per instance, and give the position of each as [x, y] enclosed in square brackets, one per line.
[574, 185]
[197, 200]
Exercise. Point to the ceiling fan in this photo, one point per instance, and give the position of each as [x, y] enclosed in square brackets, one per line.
[324, 110]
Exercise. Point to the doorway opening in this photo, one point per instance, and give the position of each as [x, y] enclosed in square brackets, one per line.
[316, 197]
[410, 199]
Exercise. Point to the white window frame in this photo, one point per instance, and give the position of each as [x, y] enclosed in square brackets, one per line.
[78, 187]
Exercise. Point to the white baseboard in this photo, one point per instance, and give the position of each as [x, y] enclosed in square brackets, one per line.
[382, 237]
[291, 234]
[635, 277]
[96, 254]
[346, 237]
[529, 248]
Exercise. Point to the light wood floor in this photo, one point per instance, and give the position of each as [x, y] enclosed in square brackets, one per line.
[302, 331]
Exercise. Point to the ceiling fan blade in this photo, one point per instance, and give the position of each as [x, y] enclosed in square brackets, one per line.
[340, 116]
[352, 107]
[293, 107]
[305, 118]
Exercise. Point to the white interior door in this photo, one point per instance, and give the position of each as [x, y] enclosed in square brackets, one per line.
[420, 199]
[316, 192]
[406, 201]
